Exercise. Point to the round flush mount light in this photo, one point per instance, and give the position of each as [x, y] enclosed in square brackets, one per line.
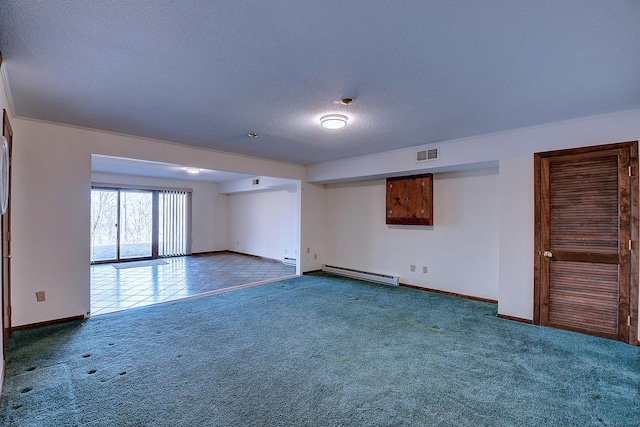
[192, 170]
[333, 121]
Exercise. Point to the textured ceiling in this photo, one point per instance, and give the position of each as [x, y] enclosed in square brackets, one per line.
[206, 73]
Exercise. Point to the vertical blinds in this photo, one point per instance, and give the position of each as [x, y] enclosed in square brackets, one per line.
[173, 214]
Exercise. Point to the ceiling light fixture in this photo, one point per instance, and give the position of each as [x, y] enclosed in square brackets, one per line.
[333, 121]
[192, 170]
[253, 135]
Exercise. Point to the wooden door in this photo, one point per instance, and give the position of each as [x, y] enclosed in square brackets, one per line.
[6, 245]
[586, 226]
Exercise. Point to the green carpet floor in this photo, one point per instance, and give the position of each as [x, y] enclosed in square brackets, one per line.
[317, 351]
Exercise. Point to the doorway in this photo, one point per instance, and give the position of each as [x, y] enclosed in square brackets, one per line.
[586, 240]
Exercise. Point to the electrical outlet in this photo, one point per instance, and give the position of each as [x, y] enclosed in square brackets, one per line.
[41, 296]
[308, 250]
[412, 267]
[315, 256]
[424, 269]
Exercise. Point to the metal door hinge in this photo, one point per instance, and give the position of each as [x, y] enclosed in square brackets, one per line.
[628, 320]
[630, 245]
[630, 171]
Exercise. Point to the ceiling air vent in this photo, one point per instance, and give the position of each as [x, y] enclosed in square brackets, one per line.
[428, 155]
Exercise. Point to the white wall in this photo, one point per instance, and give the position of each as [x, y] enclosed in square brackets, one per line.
[51, 215]
[514, 150]
[265, 223]
[50, 222]
[247, 184]
[515, 297]
[312, 226]
[459, 251]
[209, 209]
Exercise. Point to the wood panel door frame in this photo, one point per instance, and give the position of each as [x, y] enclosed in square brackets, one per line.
[629, 297]
[5, 223]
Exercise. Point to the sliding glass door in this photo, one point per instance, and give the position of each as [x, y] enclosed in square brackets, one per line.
[136, 213]
[128, 224]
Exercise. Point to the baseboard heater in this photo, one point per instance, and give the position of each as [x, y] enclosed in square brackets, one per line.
[362, 275]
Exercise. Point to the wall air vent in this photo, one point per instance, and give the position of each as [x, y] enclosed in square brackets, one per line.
[256, 181]
[291, 262]
[428, 155]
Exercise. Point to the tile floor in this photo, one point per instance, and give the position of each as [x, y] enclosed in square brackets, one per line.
[115, 289]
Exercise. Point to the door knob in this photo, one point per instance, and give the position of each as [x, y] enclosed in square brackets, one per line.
[547, 254]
